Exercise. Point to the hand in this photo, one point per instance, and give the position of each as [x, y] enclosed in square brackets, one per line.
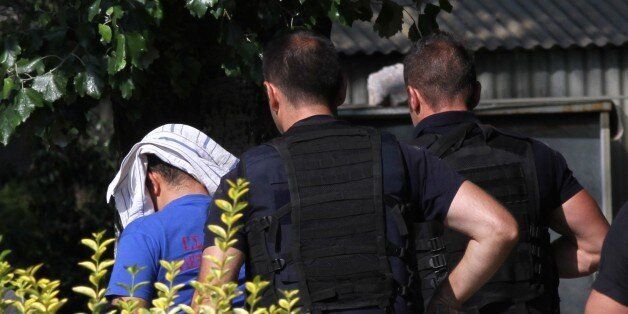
[444, 300]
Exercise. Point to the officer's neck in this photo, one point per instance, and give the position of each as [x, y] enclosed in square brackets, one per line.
[297, 113]
[428, 110]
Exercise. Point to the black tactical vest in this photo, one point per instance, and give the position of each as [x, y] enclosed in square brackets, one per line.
[503, 165]
[335, 223]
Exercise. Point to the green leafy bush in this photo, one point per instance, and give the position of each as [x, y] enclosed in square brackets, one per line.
[22, 290]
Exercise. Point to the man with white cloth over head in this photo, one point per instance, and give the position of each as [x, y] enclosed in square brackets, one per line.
[162, 193]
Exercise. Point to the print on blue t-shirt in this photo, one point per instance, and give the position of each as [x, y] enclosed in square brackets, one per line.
[173, 233]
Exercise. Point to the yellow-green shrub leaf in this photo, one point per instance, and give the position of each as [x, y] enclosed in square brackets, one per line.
[89, 265]
[218, 230]
[85, 291]
[90, 244]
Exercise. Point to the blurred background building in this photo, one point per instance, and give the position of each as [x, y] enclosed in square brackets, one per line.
[556, 70]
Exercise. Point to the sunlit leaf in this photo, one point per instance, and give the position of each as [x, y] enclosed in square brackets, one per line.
[199, 7]
[7, 86]
[50, 85]
[28, 66]
[105, 33]
[88, 83]
[11, 51]
[117, 61]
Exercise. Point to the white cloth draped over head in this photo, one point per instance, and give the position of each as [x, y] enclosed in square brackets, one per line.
[179, 145]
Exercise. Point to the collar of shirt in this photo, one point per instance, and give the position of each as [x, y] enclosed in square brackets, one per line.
[313, 120]
[443, 120]
[186, 199]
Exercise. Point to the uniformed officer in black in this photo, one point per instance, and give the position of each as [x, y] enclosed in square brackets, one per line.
[530, 179]
[610, 289]
[332, 206]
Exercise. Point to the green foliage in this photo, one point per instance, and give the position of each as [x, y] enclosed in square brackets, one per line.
[33, 295]
[98, 269]
[104, 47]
[30, 294]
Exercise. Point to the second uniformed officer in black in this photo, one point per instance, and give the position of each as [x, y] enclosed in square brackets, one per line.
[333, 207]
[530, 179]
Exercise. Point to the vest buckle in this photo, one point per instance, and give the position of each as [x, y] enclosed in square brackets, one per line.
[535, 250]
[278, 264]
[264, 222]
[534, 231]
[437, 261]
[538, 269]
[436, 244]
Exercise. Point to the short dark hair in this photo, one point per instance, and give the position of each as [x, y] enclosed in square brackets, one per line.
[171, 174]
[440, 67]
[305, 65]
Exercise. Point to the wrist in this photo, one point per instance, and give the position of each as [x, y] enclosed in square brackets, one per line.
[445, 295]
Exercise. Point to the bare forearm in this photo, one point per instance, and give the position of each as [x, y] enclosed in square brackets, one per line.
[493, 232]
[479, 263]
[583, 228]
[571, 261]
[205, 274]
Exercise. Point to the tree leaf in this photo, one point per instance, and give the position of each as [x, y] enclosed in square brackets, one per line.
[389, 20]
[445, 5]
[355, 10]
[105, 33]
[12, 116]
[88, 83]
[154, 10]
[11, 51]
[7, 85]
[26, 101]
[117, 61]
[137, 46]
[198, 8]
[126, 88]
[93, 10]
[9, 120]
[51, 85]
[414, 33]
[26, 66]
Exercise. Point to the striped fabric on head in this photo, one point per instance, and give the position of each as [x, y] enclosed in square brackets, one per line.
[179, 145]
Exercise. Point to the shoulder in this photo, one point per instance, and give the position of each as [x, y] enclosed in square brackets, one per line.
[259, 153]
[148, 226]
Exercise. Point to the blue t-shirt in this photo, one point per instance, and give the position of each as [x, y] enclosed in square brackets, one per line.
[173, 233]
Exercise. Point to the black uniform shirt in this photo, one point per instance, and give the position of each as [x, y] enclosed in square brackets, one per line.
[612, 280]
[556, 181]
[432, 186]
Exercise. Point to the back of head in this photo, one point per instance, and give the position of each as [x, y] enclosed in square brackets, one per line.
[442, 69]
[175, 178]
[305, 66]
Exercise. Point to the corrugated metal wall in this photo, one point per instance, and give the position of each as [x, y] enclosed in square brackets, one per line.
[577, 72]
[504, 74]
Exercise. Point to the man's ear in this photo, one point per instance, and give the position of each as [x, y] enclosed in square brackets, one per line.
[342, 93]
[475, 96]
[271, 93]
[414, 100]
[154, 183]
